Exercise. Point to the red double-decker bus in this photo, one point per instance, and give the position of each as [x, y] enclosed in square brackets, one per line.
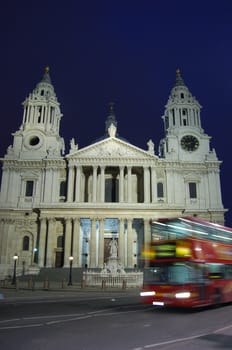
[188, 263]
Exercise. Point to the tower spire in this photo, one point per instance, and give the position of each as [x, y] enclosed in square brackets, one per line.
[179, 80]
[111, 120]
[46, 77]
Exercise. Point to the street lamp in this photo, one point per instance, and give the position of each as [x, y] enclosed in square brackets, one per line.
[15, 258]
[70, 271]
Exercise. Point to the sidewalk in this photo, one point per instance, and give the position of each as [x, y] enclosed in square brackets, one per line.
[25, 291]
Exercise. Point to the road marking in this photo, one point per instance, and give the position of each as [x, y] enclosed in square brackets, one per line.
[178, 340]
[11, 320]
[26, 326]
[74, 317]
[68, 320]
[222, 329]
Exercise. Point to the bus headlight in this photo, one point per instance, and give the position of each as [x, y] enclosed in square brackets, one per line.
[183, 295]
[147, 293]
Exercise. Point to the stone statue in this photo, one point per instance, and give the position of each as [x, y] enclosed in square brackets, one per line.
[73, 146]
[113, 248]
[150, 147]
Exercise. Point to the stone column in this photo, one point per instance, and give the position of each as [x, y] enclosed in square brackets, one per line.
[50, 242]
[70, 183]
[101, 244]
[147, 234]
[5, 184]
[129, 243]
[102, 195]
[76, 243]
[170, 190]
[153, 186]
[1, 240]
[42, 241]
[94, 197]
[129, 183]
[78, 185]
[92, 251]
[68, 241]
[121, 184]
[4, 242]
[121, 243]
[146, 184]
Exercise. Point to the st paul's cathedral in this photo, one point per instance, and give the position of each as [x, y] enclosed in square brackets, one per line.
[56, 204]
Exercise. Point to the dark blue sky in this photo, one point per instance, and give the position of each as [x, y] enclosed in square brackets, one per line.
[121, 51]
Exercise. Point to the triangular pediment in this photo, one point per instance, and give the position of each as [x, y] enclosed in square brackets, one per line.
[111, 147]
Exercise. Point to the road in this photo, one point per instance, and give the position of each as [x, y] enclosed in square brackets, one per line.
[109, 321]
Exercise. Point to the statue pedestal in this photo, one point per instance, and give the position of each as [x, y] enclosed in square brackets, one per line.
[113, 267]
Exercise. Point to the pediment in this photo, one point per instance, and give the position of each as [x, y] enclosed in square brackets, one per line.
[111, 147]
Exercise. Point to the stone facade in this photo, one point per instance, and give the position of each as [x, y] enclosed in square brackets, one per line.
[54, 205]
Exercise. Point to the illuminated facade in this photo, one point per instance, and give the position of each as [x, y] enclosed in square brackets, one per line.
[55, 204]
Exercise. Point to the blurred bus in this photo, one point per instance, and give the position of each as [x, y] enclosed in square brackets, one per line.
[188, 263]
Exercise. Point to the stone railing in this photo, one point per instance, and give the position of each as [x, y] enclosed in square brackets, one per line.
[104, 280]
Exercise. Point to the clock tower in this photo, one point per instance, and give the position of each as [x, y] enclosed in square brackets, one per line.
[38, 136]
[185, 139]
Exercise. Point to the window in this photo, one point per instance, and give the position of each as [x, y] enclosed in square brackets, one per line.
[111, 190]
[192, 190]
[173, 116]
[39, 114]
[160, 190]
[63, 189]
[166, 122]
[26, 241]
[29, 188]
[60, 242]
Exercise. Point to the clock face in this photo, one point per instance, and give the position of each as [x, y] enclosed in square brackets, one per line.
[189, 143]
[33, 141]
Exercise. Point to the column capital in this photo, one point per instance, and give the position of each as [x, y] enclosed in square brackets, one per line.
[76, 219]
[68, 219]
[43, 219]
[51, 219]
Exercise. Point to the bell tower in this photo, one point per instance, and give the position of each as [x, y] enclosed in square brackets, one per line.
[38, 136]
[184, 139]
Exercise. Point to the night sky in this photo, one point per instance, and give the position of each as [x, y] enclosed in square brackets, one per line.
[125, 52]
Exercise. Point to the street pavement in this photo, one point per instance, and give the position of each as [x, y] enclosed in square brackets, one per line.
[216, 337]
[23, 291]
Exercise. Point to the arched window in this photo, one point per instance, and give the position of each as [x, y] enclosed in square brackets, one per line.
[60, 242]
[160, 190]
[26, 243]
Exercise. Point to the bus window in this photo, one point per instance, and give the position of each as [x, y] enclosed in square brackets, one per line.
[215, 271]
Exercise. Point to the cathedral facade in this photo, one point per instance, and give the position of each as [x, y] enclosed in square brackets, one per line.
[56, 205]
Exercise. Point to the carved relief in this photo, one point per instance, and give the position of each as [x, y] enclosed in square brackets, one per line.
[113, 149]
[24, 223]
